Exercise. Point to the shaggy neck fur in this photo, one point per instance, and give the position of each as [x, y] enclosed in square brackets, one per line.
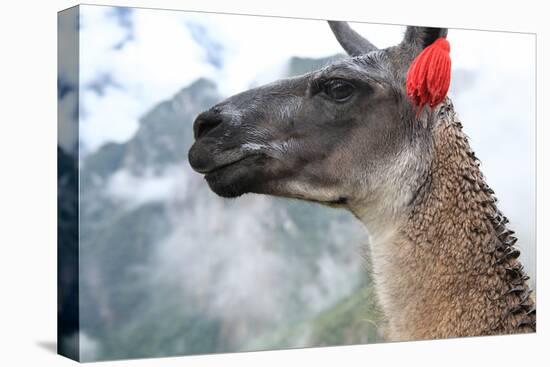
[447, 267]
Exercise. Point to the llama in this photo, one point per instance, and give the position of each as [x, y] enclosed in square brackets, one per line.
[444, 262]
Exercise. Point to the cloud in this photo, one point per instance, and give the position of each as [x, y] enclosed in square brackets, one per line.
[67, 80]
[133, 191]
[161, 51]
[144, 63]
[212, 49]
[151, 54]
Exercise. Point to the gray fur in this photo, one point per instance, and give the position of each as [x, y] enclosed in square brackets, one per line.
[289, 138]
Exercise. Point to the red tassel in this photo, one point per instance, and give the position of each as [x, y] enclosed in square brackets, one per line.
[429, 75]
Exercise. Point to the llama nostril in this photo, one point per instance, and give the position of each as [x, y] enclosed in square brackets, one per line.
[206, 122]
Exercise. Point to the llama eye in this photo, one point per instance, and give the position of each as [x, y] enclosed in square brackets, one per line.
[338, 90]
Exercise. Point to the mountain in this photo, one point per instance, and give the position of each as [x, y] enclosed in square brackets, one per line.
[169, 268]
[67, 253]
[302, 65]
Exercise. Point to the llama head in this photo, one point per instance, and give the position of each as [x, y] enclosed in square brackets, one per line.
[344, 135]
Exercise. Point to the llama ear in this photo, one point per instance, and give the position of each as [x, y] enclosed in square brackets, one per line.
[422, 37]
[351, 41]
[429, 73]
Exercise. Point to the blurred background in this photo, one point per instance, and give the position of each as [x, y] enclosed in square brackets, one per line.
[169, 268]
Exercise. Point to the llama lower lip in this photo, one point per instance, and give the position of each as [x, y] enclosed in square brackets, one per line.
[227, 165]
[236, 178]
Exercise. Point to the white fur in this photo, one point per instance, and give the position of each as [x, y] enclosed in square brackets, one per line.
[232, 114]
[251, 147]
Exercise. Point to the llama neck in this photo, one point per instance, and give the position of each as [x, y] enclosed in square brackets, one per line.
[448, 266]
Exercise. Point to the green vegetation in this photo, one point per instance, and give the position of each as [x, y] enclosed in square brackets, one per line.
[355, 319]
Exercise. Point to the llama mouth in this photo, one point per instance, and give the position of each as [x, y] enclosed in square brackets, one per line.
[241, 176]
[220, 168]
[342, 200]
[339, 202]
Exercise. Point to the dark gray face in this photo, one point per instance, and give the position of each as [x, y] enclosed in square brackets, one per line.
[345, 133]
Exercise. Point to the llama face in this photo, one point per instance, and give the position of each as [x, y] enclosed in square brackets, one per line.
[339, 135]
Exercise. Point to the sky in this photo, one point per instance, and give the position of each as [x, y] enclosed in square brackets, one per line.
[131, 59]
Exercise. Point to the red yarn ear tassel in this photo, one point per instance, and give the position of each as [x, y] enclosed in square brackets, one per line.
[429, 75]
